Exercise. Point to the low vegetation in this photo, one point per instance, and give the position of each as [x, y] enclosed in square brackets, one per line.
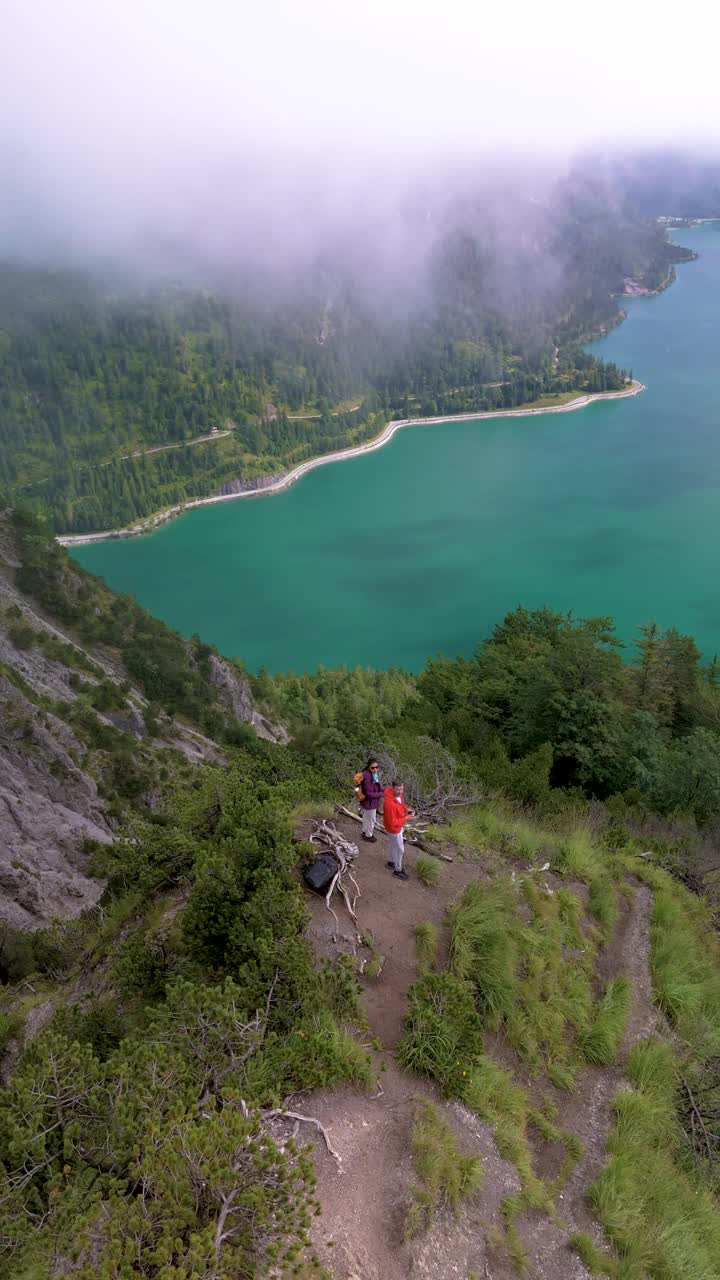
[445, 1176]
[426, 944]
[660, 1216]
[600, 1043]
[428, 871]
[174, 1085]
[518, 972]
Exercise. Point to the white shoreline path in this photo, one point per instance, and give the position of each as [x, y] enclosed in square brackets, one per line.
[291, 477]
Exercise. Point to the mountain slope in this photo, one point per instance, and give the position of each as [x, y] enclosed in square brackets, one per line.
[81, 743]
[115, 403]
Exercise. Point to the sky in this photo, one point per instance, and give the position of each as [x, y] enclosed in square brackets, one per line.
[125, 113]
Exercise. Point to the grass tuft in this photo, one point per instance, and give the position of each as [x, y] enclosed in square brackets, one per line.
[442, 1034]
[602, 903]
[426, 944]
[311, 809]
[576, 856]
[445, 1175]
[685, 967]
[596, 1260]
[601, 1043]
[482, 948]
[428, 871]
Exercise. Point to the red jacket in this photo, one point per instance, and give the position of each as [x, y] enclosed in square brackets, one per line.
[394, 813]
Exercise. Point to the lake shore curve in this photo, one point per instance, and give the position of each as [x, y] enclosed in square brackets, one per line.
[283, 482]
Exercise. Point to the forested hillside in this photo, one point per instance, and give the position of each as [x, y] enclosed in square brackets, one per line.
[519, 1046]
[92, 371]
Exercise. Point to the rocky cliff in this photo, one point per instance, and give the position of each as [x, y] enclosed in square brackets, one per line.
[81, 743]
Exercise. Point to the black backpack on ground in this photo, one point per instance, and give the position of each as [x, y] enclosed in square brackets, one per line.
[319, 875]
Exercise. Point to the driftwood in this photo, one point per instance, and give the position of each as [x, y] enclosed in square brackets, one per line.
[327, 836]
[414, 832]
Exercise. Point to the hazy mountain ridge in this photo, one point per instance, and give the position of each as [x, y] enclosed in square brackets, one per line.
[483, 306]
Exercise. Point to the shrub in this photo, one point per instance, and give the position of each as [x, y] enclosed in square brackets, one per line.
[141, 967]
[17, 957]
[10, 1027]
[22, 635]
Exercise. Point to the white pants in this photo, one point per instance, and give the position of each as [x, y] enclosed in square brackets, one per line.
[397, 849]
[369, 818]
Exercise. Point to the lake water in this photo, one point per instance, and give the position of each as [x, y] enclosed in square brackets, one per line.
[421, 547]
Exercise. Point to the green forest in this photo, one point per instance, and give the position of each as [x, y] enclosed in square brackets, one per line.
[92, 372]
[548, 704]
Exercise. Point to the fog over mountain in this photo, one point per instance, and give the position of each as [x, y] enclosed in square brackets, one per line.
[168, 132]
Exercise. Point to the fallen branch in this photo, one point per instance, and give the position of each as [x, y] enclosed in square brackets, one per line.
[695, 1115]
[413, 834]
[281, 1113]
[327, 836]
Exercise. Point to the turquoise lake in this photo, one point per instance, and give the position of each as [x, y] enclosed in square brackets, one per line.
[421, 547]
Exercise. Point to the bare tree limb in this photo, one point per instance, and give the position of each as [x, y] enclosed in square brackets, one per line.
[313, 1120]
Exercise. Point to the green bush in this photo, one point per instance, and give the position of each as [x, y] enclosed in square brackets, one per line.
[10, 1028]
[22, 635]
[141, 967]
[17, 955]
[442, 1033]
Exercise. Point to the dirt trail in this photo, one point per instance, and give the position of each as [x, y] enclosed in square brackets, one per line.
[365, 1196]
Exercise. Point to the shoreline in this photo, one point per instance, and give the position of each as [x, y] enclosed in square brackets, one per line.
[290, 478]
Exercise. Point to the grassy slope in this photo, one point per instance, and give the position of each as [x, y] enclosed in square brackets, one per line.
[507, 972]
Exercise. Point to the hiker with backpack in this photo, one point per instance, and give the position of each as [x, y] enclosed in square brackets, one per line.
[395, 816]
[369, 791]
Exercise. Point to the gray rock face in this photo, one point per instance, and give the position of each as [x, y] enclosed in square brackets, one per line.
[49, 802]
[48, 806]
[250, 486]
[234, 694]
[44, 675]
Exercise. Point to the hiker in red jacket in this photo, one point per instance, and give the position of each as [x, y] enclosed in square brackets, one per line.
[395, 816]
